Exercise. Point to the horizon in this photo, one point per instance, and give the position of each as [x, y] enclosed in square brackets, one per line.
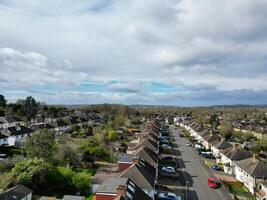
[184, 53]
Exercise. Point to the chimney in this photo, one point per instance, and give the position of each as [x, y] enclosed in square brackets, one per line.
[136, 160]
[121, 190]
[254, 158]
[236, 146]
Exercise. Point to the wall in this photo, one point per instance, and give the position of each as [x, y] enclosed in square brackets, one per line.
[104, 197]
[123, 166]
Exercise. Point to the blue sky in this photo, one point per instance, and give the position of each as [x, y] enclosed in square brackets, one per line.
[171, 52]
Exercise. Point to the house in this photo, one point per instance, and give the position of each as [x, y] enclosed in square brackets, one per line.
[16, 135]
[231, 154]
[120, 189]
[142, 174]
[125, 161]
[251, 172]
[60, 126]
[19, 192]
[72, 197]
[148, 155]
[219, 146]
[148, 142]
[261, 192]
[210, 139]
[10, 121]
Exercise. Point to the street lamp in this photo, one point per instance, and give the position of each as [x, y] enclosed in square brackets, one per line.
[186, 195]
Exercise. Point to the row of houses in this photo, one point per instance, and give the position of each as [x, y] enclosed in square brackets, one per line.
[238, 162]
[135, 174]
[14, 131]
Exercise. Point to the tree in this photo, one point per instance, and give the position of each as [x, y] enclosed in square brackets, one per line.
[82, 181]
[75, 127]
[99, 138]
[66, 154]
[2, 105]
[214, 121]
[119, 121]
[31, 171]
[226, 130]
[113, 135]
[30, 107]
[2, 101]
[41, 145]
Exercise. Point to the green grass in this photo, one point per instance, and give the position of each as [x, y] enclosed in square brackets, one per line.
[90, 197]
[237, 188]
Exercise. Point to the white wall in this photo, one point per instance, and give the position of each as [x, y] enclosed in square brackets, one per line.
[245, 178]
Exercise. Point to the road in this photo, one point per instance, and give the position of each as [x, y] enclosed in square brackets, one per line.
[196, 173]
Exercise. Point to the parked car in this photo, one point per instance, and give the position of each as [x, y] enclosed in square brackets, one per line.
[213, 183]
[207, 155]
[198, 146]
[168, 196]
[169, 170]
[216, 167]
[167, 158]
[164, 141]
[165, 146]
[188, 144]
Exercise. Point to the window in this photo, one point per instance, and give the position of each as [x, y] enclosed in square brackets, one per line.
[129, 195]
[131, 188]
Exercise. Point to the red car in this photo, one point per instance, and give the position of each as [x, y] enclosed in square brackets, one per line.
[213, 183]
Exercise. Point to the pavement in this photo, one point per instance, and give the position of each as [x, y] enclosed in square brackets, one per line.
[195, 173]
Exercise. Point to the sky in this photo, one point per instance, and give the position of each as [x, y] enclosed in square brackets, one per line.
[171, 52]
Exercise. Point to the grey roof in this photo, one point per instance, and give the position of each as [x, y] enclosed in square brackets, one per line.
[16, 193]
[109, 186]
[70, 197]
[126, 158]
[222, 144]
[253, 167]
[142, 173]
[147, 155]
[19, 130]
[236, 153]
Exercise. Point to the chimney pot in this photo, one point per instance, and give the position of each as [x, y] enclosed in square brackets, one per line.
[136, 160]
[121, 190]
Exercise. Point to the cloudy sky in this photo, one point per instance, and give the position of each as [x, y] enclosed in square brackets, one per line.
[171, 52]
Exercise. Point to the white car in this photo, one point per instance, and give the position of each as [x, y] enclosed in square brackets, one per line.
[169, 196]
[188, 144]
[165, 146]
[169, 170]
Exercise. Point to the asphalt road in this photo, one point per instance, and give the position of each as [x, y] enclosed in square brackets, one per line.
[196, 173]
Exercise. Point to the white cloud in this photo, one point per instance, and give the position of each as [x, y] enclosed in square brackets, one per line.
[182, 42]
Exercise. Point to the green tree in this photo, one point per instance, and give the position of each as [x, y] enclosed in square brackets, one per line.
[2, 101]
[113, 135]
[82, 181]
[226, 130]
[30, 107]
[31, 171]
[2, 105]
[41, 145]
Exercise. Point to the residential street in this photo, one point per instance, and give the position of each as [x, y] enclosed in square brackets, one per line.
[196, 173]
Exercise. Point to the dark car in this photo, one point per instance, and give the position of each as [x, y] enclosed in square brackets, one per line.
[216, 167]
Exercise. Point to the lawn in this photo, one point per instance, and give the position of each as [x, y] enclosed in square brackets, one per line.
[90, 197]
[237, 188]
